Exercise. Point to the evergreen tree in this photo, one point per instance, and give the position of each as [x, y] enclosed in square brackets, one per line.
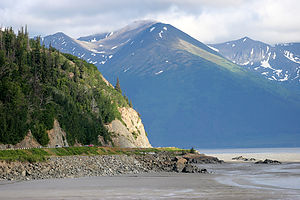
[38, 85]
[118, 87]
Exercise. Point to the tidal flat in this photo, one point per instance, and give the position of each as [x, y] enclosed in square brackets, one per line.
[232, 180]
[226, 181]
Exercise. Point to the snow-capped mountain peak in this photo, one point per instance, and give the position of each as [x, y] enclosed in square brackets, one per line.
[276, 63]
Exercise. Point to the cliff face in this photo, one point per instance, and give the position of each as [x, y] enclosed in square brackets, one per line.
[130, 132]
[28, 142]
[57, 136]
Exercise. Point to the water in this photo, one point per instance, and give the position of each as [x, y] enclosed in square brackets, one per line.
[284, 177]
[250, 150]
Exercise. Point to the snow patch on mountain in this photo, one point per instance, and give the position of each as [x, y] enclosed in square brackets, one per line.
[246, 63]
[109, 34]
[125, 70]
[160, 34]
[278, 72]
[215, 49]
[286, 77]
[290, 56]
[161, 71]
[266, 64]
[152, 29]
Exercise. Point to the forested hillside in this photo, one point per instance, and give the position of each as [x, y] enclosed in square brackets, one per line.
[38, 85]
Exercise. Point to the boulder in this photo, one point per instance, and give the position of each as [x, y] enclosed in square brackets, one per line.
[189, 168]
[201, 159]
[268, 161]
[180, 164]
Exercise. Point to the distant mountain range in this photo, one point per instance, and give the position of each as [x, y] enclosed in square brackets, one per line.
[191, 94]
[277, 63]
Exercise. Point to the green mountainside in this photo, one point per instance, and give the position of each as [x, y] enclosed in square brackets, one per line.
[38, 85]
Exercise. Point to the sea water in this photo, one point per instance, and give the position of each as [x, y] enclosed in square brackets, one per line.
[249, 150]
[285, 176]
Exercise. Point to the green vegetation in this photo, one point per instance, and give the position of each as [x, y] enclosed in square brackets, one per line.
[38, 85]
[40, 155]
[192, 150]
[118, 87]
[29, 155]
[209, 56]
[134, 134]
[75, 151]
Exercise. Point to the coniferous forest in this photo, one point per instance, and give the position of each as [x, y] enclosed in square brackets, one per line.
[38, 85]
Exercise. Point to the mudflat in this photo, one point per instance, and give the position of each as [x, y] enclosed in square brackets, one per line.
[143, 186]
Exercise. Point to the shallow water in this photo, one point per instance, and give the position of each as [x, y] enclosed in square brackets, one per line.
[250, 150]
[284, 178]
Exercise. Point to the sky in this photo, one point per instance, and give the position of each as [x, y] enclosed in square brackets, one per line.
[210, 21]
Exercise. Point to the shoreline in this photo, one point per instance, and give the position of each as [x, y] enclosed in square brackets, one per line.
[103, 165]
[139, 186]
[284, 155]
[148, 176]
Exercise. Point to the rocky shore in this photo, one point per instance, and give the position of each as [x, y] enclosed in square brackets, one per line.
[103, 165]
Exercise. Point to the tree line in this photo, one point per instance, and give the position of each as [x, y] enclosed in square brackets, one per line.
[39, 84]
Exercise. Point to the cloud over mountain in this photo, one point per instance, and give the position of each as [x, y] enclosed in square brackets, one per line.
[209, 21]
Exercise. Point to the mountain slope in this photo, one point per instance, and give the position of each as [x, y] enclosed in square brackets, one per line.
[58, 97]
[98, 48]
[190, 95]
[277, 63]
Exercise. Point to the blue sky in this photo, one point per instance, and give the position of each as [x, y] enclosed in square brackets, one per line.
[209, 21]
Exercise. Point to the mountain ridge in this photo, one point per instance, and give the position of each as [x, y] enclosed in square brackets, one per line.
[188, 93]
[274, 62]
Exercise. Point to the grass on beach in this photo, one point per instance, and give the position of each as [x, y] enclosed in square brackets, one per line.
[40, 155]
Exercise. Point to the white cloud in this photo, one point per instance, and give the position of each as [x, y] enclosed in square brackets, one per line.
[209, 21]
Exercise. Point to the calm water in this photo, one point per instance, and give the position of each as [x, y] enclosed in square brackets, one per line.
[250, 150]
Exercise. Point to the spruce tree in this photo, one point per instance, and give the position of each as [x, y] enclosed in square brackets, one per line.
[118, 87]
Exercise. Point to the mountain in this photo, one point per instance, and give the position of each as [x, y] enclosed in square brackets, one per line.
[277, 63]
[49, 98]
[98, 48]
[190, 95]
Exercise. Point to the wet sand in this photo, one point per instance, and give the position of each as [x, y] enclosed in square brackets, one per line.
[145, 186]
